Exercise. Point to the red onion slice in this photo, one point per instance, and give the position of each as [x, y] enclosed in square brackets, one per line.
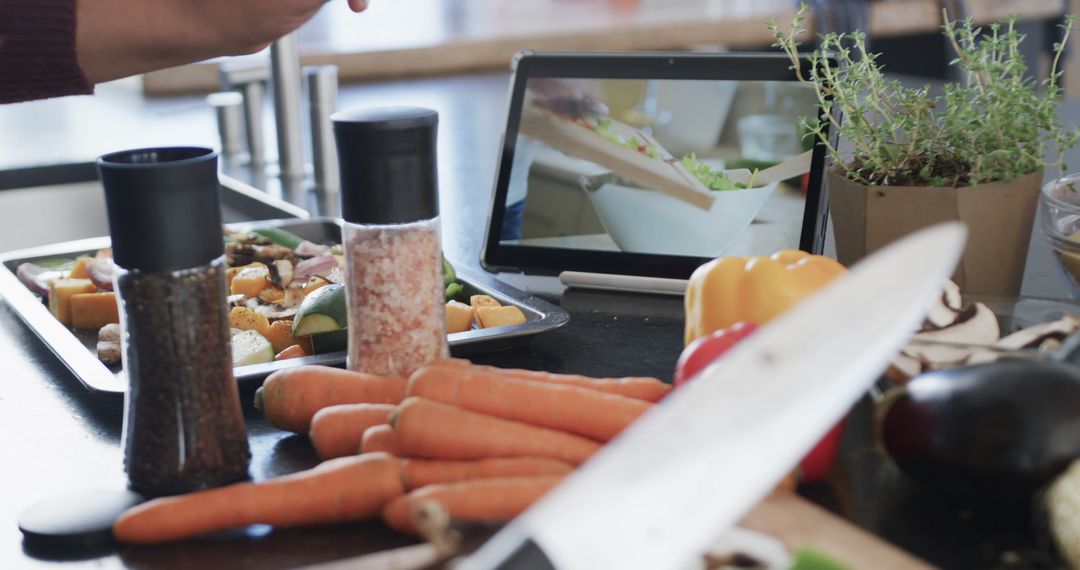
[34, 277]
[314, 266]
[101, 273]
[308, 249]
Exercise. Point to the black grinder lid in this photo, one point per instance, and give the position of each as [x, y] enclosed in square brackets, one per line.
[164, 207]
[389, 172]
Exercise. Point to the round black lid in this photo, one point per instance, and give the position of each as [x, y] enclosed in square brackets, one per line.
[389, 173]
[82, 519]
[164, 207]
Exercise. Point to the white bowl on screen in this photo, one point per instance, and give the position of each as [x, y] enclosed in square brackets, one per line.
[645, 221]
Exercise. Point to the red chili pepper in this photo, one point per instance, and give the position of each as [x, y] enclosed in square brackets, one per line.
[699, 354]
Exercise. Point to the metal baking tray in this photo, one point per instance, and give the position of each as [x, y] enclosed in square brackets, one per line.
[77, 349]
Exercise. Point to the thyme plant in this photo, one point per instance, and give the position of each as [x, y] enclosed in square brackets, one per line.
[994, 127]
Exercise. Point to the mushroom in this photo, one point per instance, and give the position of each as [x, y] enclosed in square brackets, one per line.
[903, 368]
[272, 311]
[975, 325]
[946, 308]
[740, 547]
[108, 344]
[281, 273]
[1036, 335]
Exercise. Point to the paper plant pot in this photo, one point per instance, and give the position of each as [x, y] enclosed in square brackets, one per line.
[998, 216]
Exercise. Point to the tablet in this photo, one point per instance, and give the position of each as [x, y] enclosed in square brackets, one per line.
[649, 164]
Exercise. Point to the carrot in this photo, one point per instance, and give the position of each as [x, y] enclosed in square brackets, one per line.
[290, 397]
[434, 430]
[419, 473]
[640, 388]
[479, 500]
[336, 431]
[291, 351]
[589, 413]
[347, 488]
[380, 438]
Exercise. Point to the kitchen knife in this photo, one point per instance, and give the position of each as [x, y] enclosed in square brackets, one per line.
[687, 470]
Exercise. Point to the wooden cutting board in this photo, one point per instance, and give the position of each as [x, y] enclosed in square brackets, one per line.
[667, 177]
[798, 523]
[795, 521]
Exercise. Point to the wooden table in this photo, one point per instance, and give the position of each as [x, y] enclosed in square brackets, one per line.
[405, 38]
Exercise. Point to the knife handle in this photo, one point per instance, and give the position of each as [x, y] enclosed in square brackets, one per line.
[525, 555]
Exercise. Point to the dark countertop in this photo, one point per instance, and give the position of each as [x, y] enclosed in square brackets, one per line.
[58, 437]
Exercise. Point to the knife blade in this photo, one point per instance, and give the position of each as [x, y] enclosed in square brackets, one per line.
[689, 468]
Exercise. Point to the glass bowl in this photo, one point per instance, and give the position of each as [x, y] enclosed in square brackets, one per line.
[1059, 219]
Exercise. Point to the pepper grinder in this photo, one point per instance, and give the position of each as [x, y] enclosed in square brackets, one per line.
[183, 424]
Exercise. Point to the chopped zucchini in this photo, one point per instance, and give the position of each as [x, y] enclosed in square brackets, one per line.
[321, 311]
[330, 341]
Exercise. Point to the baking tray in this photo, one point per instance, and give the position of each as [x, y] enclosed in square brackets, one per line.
[77, 349]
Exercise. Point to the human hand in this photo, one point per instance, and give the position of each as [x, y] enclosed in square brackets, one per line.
[248, 26]
[564, 97]
[118, 38]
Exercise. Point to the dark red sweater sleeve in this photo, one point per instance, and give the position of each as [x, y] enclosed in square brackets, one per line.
[37, 50]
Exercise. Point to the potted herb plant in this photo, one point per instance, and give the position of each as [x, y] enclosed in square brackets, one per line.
[911, 158]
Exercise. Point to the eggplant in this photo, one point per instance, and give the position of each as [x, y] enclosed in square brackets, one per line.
[1001, 431]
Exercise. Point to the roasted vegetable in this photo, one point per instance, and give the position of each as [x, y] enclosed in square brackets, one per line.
[250, 281]
[454, 290]
[449, 275]
[505, 316]
[280, 334]
[250, 347]
[91, 311]
[246, 319]
[324, 310]
[60, 293]
[280, 237]
[108, 344]
[34, 277]
[81, 269]
[459, 317]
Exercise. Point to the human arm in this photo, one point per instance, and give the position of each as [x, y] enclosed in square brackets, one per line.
[118, 38]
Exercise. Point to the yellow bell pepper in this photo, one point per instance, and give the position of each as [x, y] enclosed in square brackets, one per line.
[727, 290]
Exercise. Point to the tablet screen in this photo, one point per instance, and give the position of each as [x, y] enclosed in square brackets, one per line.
[602, 168]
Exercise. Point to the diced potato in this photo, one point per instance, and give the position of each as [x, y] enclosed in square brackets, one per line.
[459, 317]
[250, 281]
[272, 295]
[483, 301]
[478, 301]
[80, 269]
[246, 319]
[491, 317]
[91, 311]
[280, 334]
[60, 292]
[232, 271]
[313, 284]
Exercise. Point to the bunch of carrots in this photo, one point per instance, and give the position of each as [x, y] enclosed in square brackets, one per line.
[482, 443]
